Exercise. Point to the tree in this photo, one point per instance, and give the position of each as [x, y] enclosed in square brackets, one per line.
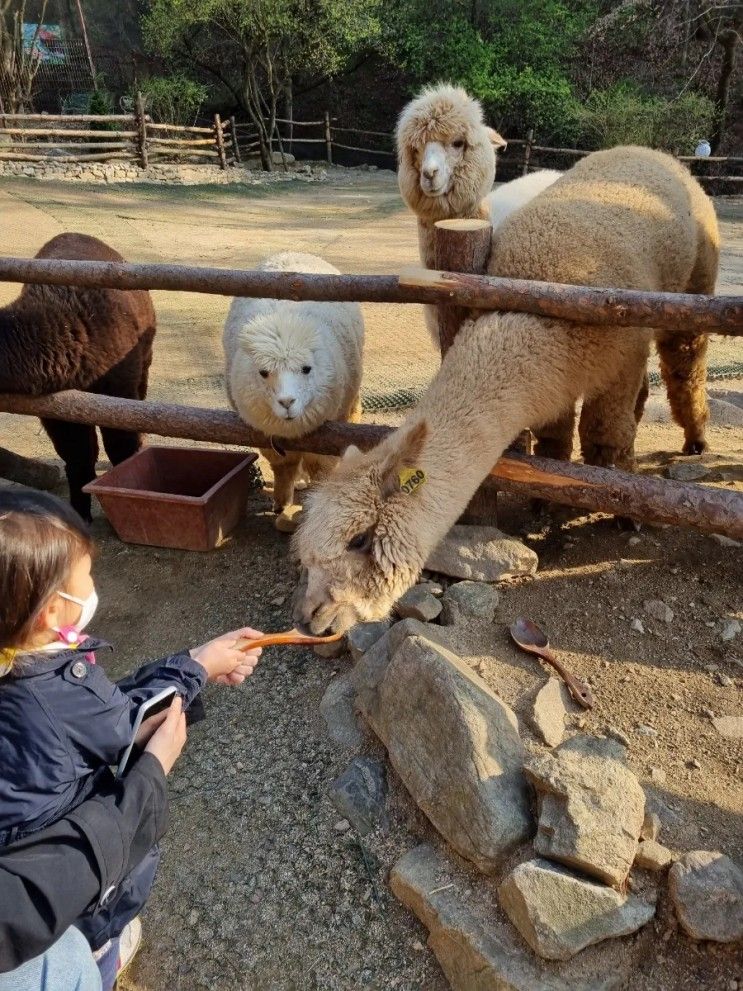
[19, 61]
[514, 55]
[257, 47]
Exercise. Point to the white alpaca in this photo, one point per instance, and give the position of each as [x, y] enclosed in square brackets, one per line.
[290, 367]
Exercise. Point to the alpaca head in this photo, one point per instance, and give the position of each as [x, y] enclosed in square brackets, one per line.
[281, 378]
[357, 540]
[446, 154]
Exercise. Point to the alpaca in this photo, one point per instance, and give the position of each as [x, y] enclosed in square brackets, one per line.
[96, 340]
[291, 367]
[365, 538]
[455, 184]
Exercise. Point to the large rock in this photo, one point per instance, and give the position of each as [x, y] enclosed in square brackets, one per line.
[456, 747]
[363, 636]
[477, 954]
[707, 892]
[371, 668]
[482, 554]
[469, 600]
[591, 807]
[559, 914]
[551, 708]
[419, 604]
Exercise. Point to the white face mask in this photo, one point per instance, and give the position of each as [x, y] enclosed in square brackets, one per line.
[88, 605]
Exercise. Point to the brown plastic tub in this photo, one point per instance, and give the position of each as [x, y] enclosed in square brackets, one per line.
[184, 497]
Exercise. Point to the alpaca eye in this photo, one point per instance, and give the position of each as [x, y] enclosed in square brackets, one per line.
[361, 542]
[306, 369]
[458, 144]
[264, 373]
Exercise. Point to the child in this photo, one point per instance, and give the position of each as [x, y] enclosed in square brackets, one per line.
[62, 722]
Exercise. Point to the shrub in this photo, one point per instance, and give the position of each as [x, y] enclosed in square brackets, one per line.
[173, 99]
[625, 115]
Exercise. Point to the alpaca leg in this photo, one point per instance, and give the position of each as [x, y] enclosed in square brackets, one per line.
[77, 446]
[284, 473]
[607, 424]
[683, 364]
[642, 397]
[555, 440]
[127, 380]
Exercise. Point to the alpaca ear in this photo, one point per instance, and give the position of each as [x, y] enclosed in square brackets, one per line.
[496, 140]
[406, 455]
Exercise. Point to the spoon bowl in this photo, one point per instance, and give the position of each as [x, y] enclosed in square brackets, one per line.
[527, 634]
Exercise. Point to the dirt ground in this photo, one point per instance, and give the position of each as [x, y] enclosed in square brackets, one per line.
[259, 889]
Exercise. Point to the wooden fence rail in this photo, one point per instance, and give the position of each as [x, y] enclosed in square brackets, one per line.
[247, 137]
[592, 489]
[229, 141]
[39, 137]
[585, 304]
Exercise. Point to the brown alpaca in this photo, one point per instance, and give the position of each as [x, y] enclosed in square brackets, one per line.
[624, 217]
[96, 340]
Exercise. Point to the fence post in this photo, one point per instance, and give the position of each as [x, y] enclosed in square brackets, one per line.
[235, 145]
[328, 139]
[219, 135]
[141, 122]
[464, 246]
[527, 150]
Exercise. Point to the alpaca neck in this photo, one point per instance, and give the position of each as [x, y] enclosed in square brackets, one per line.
[488, 389]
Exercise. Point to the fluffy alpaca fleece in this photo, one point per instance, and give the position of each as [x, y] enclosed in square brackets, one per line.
[631, 193]
[291, 367]
[364, 540]
[96, 340]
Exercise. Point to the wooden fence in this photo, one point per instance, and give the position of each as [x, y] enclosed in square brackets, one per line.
[329, 136]
[133, 138]
[589, 488]
[137, 139]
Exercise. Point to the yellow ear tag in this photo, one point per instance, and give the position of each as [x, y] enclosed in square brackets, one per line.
[411, 479]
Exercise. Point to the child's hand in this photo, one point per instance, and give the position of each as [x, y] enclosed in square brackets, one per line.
[224, 664]
[169, 739]
[148, 726]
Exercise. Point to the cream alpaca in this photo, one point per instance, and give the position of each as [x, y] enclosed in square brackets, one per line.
[291, 367]
[445, 116]
[364, 541]
[446, 165]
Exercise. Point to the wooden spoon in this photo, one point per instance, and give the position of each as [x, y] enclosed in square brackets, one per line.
[291, 637]
[528, 636]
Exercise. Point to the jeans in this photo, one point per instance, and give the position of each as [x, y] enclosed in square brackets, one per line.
[68, 965]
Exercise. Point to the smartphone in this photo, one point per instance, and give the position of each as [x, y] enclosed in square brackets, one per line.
[149, 708]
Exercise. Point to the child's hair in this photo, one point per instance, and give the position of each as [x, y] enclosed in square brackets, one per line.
[41, 538]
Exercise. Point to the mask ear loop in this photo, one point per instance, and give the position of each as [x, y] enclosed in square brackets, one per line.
[70, 634]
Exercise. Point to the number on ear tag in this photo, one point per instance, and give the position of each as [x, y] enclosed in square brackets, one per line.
[411, 479]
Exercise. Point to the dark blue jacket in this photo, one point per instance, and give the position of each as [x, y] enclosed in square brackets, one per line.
[62, 723]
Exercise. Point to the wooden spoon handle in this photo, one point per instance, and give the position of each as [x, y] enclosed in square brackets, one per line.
[291, 637]
[577, 688]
